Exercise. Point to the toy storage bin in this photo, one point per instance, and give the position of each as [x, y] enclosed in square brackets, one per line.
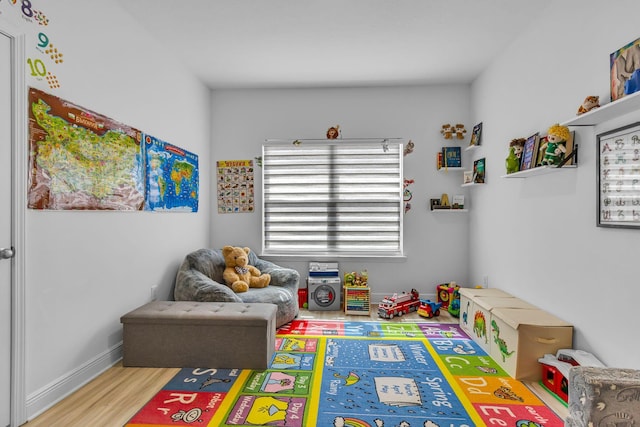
[480, 316]
[520, 336]
[467, 296]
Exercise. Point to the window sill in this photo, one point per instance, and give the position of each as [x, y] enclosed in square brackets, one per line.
[329, 257]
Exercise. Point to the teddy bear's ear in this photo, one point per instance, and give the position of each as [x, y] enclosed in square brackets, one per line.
[247, 250]
[226, 250]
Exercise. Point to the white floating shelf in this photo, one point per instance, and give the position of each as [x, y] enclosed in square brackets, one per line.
[540, 170]
[450, 210]
[619, 107]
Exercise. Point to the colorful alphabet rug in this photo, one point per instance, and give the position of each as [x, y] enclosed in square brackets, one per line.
[354, 374]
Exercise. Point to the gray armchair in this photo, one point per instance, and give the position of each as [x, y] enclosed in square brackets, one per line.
[199, 278]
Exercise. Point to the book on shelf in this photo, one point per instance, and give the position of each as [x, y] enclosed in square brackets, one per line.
[476, 135]
[467, 177]
[452, 157]
[478, 171]
[529, 152]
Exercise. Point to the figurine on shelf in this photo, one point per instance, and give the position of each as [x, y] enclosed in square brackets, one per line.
[333, 132]
[518, 146]
[555, 145]
[590, 102]
[512, 161]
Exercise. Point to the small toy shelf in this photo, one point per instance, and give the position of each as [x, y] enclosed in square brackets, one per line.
[450, 210]
[357, 300]
[472, 184]
[450, 168]
[540, 170]
[624, 105]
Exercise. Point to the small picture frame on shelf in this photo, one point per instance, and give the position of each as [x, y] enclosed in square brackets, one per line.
[618, 177]
[467, 177]
[457, 202]
[434, 203]
[478, 171]
[476, 135]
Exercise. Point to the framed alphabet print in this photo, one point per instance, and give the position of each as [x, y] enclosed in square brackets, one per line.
[618, 176]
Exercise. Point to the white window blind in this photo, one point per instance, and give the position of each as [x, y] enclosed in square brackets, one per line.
[336, 198]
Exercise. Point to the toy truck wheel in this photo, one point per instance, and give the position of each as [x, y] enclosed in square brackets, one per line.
[437, 313]
[400, 313]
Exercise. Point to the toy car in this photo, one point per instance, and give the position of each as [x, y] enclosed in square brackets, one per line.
[429, 308]
[399, 304]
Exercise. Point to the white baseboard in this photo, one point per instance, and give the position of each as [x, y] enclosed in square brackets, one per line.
[54, 392]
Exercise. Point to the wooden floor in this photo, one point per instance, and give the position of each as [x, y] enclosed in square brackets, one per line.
[114, 397]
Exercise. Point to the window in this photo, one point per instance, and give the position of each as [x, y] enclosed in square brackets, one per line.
[334, 198]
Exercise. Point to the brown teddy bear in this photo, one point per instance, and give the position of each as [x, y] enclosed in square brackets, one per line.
[447, 131]
[238, 273]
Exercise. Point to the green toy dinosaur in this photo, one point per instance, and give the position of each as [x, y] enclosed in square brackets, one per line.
[512, 161]
[502, 345]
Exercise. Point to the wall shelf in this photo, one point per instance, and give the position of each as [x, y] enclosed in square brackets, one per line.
[447, 169]
[624, 105]
[471, 147]
[540, 170]
[471, 184]
[450, 210]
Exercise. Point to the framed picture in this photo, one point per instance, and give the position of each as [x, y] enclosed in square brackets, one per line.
[624, 67]
[476, 134]
[478, 171]
[529, 152]
[618, 176]
[467, 177]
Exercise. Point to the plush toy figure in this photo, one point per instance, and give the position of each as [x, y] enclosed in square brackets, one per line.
[460, 131]
[447, 131]
[590, 102]
[555, 145]
[518, 146]
[238, 273]
[512, 161]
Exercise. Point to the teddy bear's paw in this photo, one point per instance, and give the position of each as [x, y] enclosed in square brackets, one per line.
[240, 286]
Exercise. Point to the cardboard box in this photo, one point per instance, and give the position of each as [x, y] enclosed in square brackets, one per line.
[480, 312]
[520, 336]
[467, 295]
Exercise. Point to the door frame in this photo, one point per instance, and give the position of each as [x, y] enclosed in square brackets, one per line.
[19, 203]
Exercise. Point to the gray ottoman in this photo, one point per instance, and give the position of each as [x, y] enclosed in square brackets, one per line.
[603, 397]
[189, 334]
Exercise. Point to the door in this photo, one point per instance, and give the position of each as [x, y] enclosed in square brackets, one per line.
[6, 249]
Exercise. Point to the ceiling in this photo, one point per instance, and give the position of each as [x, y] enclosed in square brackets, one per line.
[334, 43]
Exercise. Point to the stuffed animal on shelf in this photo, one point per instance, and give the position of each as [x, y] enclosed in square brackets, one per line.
[238, 274]
[512, 161]
[554, 146]
[590, 102]
[460, 131]
[518, 146]
[447, 131]
[333, 132]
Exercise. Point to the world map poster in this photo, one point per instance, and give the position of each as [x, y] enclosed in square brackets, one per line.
[81, 160]
[172, 177]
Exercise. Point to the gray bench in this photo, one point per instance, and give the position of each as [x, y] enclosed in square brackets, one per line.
[189, 334]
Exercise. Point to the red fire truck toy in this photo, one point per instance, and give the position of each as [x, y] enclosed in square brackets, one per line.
[397, 305]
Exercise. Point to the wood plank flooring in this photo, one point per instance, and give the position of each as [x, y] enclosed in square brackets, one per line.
[112, 398]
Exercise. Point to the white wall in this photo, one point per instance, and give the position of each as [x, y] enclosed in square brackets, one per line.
[435, 245]
[537, 237]
[86, 269]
